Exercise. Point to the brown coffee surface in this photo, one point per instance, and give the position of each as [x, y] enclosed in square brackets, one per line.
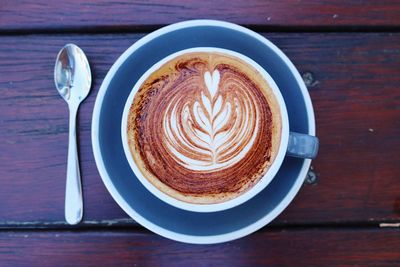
[204, 127]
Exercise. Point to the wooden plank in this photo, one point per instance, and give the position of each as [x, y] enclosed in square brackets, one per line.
[101, 14]
[353, 80]
[268, 248]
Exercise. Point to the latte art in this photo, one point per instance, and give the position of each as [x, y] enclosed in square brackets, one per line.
[204, 127]
[214, 130]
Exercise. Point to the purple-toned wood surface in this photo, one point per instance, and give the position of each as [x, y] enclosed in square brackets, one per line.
[103, 15]
[351, 65]
[353, 81]
[300, 247]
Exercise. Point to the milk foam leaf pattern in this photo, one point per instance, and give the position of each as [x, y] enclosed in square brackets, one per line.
[214, 131]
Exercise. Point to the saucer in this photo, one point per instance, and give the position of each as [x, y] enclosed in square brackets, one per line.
[127, 190]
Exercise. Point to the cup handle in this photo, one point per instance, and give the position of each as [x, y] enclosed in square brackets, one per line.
[302, 146]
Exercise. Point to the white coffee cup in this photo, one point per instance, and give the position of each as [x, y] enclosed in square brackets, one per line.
[291, 144]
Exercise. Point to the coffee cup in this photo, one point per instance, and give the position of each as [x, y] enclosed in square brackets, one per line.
[206, 129]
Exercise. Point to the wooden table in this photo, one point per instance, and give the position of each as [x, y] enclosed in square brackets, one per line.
[349, 55]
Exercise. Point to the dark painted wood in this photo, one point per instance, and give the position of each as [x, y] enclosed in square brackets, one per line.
[268, 248]
[354, 84]
[102, 14]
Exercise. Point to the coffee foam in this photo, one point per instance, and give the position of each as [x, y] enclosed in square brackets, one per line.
[204, 127]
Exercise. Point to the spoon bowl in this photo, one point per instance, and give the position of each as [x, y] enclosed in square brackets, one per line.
[72, 75]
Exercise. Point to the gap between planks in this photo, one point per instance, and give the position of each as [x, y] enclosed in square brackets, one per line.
[149, 28]
[129, 224]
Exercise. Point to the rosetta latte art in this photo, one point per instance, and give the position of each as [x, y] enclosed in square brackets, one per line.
[212, 132]
[201, 128]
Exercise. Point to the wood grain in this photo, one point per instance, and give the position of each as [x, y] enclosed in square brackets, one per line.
[353, 81]
[268, 248]
[100, 15]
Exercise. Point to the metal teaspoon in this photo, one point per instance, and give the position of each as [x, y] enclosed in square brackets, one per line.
[73, 79]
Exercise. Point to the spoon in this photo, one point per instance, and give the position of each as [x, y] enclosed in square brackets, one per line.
[73, 79]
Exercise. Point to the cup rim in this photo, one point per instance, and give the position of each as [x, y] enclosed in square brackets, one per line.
[240, 199]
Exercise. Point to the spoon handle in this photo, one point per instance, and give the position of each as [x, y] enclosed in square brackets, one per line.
[73, 192]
